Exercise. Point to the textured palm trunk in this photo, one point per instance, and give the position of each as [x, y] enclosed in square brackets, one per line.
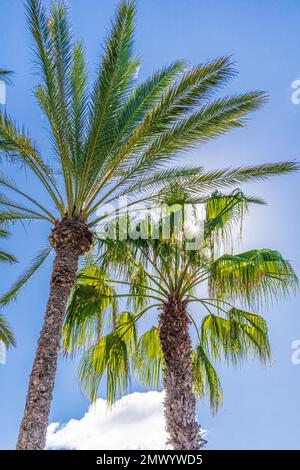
[180, 402]
[70, 240]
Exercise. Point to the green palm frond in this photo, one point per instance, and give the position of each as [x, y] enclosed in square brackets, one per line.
[4, 256]
[252, 277]
[26, 276]
[6, 335]
[7, 257]
[126, 329]
[139, 283]
[79, 103]
[149, 359]
[113, 84]
[91, 308]
[206, 378]
[110, 356]
[17, 146]
[210, 180]
[224, 217]
[239, 336]
[211, 120]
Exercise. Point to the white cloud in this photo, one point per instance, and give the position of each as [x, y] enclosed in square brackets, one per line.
[136, 422]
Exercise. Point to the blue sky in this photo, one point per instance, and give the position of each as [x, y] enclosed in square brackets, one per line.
[261, 408]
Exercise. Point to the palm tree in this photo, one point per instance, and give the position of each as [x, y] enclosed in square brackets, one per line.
[168, 274]
[6, 335]
[113, 139]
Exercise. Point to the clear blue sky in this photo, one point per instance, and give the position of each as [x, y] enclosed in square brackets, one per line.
[261, 408]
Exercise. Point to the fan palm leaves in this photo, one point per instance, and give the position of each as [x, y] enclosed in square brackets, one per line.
[166, 274]
[114, 137]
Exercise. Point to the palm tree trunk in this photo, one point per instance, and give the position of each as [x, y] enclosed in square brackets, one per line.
[180, 402]
[70, 240]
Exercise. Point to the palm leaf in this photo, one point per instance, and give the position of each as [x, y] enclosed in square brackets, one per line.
[24, 278]
[6, 335]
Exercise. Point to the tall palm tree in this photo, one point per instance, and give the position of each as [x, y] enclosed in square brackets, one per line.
[107, 141]
[168, 274]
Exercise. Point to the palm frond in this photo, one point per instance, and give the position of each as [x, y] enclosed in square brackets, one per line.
[17, 146]
[206, 378]
[7, 257]
[26, 276]
[6, 335]
[253, 277]
[211, 120]
[149, 359]
[109, 355]
[4, 256]
[92, 304]
[115, 76]
[79, 103]
[237, 337]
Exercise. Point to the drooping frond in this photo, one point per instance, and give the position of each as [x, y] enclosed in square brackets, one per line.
[7, 257]
[6, 335]
[206, 379]
[109, 355]
[26, 276]
[126, 329]
[11, 185]
[149, 359]
[4, 256]
[13, 206]
[139, 283]
[91, 308]
[17, 146]
[252, 277]
[238, 336]
[224, 216]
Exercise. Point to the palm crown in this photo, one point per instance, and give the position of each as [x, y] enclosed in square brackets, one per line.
[116, 138]
[150, 272]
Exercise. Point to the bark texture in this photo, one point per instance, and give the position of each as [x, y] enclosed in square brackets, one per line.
[180, 401]
[70, 239]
